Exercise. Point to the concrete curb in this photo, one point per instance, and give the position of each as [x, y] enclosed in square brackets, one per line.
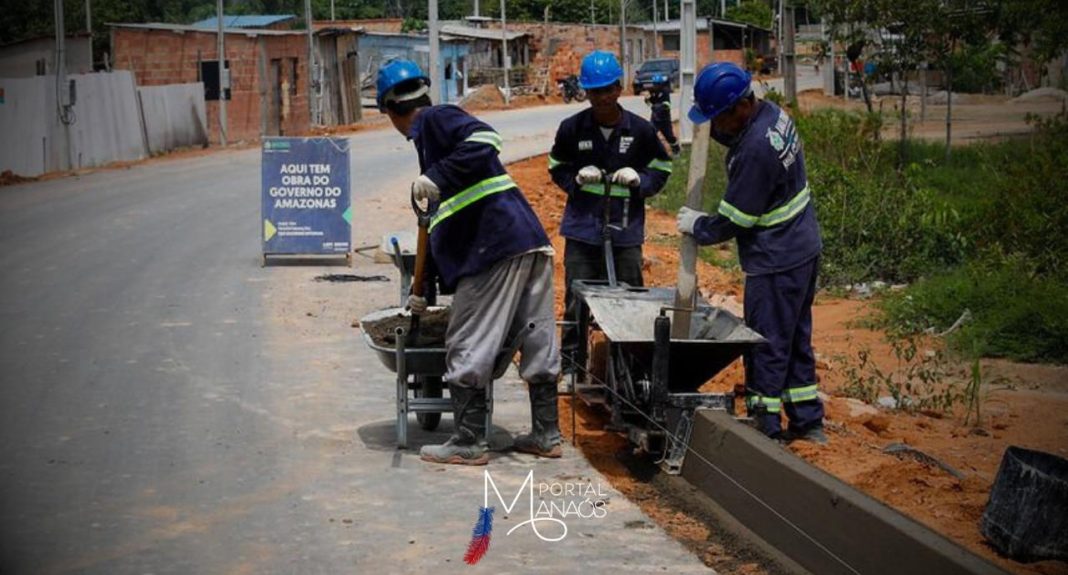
[816, 520]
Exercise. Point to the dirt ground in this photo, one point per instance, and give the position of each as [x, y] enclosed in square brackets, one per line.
[1027, 407]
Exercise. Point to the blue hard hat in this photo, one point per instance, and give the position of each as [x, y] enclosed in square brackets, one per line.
[599, 69]
[659, 79]
[397, 72]
[717, 88]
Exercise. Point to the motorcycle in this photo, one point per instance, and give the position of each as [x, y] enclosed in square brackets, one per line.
[570, 89]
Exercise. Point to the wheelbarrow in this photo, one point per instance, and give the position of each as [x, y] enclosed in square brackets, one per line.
[651, 384]
[420, 369]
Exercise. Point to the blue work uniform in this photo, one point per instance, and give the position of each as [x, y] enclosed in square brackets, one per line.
[768, 208]
[482, 217]
[659, 101]
[580, 142]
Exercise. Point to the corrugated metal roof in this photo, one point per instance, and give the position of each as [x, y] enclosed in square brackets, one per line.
[189, 28]
[244, 21]
[480, 33]
[702, 24]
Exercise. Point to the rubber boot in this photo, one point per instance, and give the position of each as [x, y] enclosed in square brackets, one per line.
[467, 446]
[544, 438]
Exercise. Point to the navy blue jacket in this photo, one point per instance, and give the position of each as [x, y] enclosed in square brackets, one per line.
[659, 100]
[767, 205]
[633, 144]
[482, 217]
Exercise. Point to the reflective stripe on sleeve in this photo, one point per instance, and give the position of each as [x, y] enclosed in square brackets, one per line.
[486, 137]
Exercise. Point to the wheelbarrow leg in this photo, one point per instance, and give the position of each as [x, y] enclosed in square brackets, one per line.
[402, 391]
[489, 412]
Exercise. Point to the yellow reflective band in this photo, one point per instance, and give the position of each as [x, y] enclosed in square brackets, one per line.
[787, 211]
[486, 137]
[740, 218]
[662, 165]
[598, 189]
[783, 213]
[796, 394]
[469, 196]
[771, 404]
[553, 162]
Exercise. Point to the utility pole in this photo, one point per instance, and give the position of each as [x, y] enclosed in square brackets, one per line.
[312, 104]
[89, 30]
[656, 42]
[506, 60]
[688, 65]
[437, 85]
[62, 90]
[779, 35]
[623, 38]
[332, 10]
[790, 71]
[476, 8]
[221, 50]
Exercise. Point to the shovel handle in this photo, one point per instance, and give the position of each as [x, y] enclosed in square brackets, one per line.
[421, 246]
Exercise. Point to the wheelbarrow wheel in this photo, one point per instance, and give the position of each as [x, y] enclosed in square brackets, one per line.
[430, 388]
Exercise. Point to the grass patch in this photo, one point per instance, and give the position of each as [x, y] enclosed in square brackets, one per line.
[983, 231]
[1015, 313]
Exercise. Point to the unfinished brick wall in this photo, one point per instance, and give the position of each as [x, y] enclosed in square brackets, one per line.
[158, 57]
[563, 45]
[705, 54]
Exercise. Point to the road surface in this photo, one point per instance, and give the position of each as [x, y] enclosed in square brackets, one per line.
[170, 406]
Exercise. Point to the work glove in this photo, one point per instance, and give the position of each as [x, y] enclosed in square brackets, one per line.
[425, 189]
[417, 304]
[588, 175]
[626, 177]
[687, 219]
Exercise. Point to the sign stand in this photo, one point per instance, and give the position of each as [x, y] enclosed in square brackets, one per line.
[306, 204]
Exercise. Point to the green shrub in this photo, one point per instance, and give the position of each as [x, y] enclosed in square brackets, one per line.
[1015, 313]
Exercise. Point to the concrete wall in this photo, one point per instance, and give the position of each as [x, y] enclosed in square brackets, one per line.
[20, 60]
[174, 116]
[104, 124]
[158, 57]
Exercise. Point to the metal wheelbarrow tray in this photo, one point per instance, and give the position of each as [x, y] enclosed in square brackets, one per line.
[421, 369]
[651, 380]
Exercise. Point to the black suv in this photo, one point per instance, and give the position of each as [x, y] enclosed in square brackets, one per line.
[643, 78]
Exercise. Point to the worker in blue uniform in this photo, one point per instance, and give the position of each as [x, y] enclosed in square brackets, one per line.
[767, 207]
[603, 139]
[488, 249]
[659, 100]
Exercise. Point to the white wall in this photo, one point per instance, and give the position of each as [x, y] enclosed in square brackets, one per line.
[174, 116]
[105, 124]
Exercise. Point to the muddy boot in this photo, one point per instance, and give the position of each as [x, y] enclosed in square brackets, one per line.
[544, 438]
[467, 446]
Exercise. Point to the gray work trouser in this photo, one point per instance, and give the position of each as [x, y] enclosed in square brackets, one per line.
[490, 308]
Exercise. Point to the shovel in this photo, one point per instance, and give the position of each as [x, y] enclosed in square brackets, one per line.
[422, 244]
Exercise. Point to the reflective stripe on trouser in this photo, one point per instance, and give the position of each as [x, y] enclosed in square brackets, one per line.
[779, 307]
[488, 310]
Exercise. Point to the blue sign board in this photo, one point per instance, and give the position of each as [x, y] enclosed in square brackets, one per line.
[305, 197]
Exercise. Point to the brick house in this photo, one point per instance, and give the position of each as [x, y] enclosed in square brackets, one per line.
[268, 73]
[727, 41]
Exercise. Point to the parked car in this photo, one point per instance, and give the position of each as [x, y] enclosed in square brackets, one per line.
[643, 78]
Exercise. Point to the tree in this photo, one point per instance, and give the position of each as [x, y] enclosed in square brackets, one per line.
[906, 35]
[755, 12]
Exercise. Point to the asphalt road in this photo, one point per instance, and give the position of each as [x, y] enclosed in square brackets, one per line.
[169, 405]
